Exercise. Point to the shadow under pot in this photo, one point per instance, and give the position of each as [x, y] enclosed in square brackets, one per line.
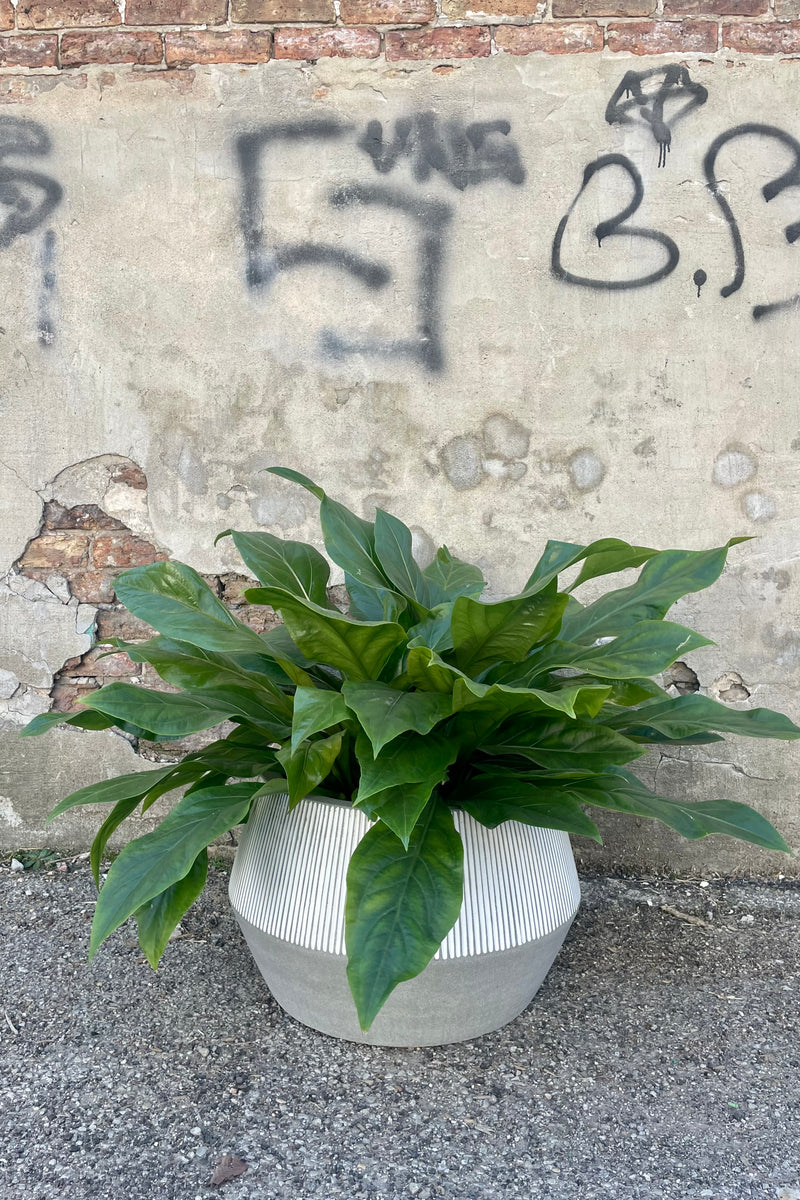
[287, 890]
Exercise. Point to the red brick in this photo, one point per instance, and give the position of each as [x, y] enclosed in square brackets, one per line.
[99, 662]
[28, 51]
[663, 37]
[82, 516]
[717, 8]
[67, 695]
[140, 48]
[125, 550]
[258, 616]
[768, 38]
[129, 474]
[449, 41]
[276, 12]
[603, 8]
[327, 43]
[66, 14]
[552, 38]
[787, 10]
[92, 587]
[176, 12]
[462, 10]
[6, 15]
[59, 550]
[119, 623]
[387, 12]
[235, 46]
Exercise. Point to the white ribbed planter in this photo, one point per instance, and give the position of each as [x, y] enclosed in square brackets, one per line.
[287, 890]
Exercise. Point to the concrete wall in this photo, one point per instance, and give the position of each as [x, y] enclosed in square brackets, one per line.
[388, 277]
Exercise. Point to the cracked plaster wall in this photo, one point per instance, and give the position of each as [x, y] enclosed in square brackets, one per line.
[663, 414]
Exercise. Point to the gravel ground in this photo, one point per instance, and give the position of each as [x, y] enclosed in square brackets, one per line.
[660, 1061]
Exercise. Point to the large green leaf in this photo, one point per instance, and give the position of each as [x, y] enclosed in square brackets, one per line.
[168, 714]
[564, 745]
[314, 711]
[374, 604]
[435, 631]
[623, 792]
[158, 917]
[119, 813]
[454, 577]
[505, 701]
[308, 765]
[684, 716]
[648, 648]
[152, 863]
[426, 670]
[293, 567]
[82, 719]
[393, 549]
[360, 650]
[178, 602]
[399, 807]
[610, 560]
[409, 758]
[385, 712]
[124, 787]
[484, 634]
[494, 799]
[243, 703]
[601, 558]
[664, 579]
[243, 753]
[401, 904]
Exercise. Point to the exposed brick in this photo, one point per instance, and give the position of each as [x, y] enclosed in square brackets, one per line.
[119, 623]
[60, 550]
[131, 475]
[139, 48]
[28, 51]
[258, 616]
[663, 37]
[787, 10]
[6, 15]
[82, 516]
[100, 663]
[67, 695]
[387, 12]
[234, 46]
[717, 8]
[125, 550]
[552, 38]
[462, 10]
[756, 38]
[603, 8]
[176, 12]
[454, 41]
[65, 14]
[327, 43]
[234, 588]
[92, 587]
[275, 12]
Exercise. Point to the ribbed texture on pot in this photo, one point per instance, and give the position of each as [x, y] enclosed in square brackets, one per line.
[289, 878]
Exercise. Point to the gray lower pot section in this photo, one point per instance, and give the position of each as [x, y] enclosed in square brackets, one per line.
[452, 1000]
[288, 886]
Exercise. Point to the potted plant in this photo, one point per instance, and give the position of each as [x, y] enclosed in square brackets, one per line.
[408, 772]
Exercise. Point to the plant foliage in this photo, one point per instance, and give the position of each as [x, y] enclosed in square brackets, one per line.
[422, 700]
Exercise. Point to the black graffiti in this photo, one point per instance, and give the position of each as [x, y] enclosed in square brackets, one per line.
[616, 226]
[698, 279]
[45, 330]
[633, 101]
[465, 156]
[790, 178]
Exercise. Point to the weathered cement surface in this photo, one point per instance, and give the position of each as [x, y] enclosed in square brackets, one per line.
[206, 315]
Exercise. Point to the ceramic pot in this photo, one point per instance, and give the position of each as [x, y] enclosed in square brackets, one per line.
[287, 890]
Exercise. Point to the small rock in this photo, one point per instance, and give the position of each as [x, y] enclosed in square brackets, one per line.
[748, 919]
[16, 865]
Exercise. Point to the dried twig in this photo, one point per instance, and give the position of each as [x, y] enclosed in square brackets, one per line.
[688, 917]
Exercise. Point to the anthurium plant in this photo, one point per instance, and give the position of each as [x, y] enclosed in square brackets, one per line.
[419, 700]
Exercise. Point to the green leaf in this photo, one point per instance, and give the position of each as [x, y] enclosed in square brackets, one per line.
[187, 666]
[623, 792]
[609, 560]
[665, 578]
[409, 758]
[169, 714]
[393, 549]
[564, 745]
[684, 716]
[242, 703]
[385, 713]
[454, 577]
[243, 753]
[399, 807]
[82, 719]
[602, 558]
[124, 787]
[648, 648]
[428, 672]
[295, 567]
[373, 604]
[297, 477]
[314, 711]
[158, 917]
[435, 631]
[119, 813]
[178, 602]
[152, 863]
[506, 701]
[494, 799]
[359, 650]
[484, 634]
[401, 904]
[308, 765]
